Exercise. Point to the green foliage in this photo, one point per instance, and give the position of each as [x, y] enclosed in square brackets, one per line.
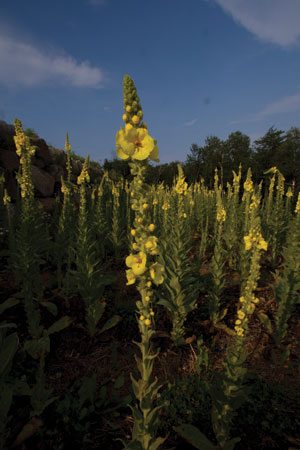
[76, 413]
[30, 132]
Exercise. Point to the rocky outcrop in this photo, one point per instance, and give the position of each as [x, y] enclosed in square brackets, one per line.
[48, 166]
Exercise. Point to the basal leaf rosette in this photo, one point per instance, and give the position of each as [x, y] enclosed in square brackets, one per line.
[135, 143]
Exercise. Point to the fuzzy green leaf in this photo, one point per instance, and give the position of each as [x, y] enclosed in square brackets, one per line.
[194, 437]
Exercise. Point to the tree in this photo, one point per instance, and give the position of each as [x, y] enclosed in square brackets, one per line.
[266, 150]
[30, 132]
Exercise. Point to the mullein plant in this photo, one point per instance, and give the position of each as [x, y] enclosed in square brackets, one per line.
[179, 292]
[135, 145]
[88, 276]
[31, 238]
[65, 233]
[274, 219]
[217, 267]
[287, 286]
[231, 230]
[227, 390]
[116, 234]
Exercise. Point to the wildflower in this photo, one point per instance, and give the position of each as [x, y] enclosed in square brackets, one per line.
[145, 206]
[151, 244]
[135, 120]
[241, 314]
[135, 143]
[297, 209]
[156, 271]
[149, 284]
[131, 279]
[289, 193]
[239, 331]
[128, 108]
[142, 318]
[151, 227]
[124, 117]
[147, 322]
[132, 232]
[242, 299]
[248, 242]
[137, 263]
[262, 245]
[221, 215]
[147, 298]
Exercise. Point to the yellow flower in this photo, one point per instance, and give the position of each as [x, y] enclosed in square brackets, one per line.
[242, 299]
[297, 209]
[239, 331]
[135, 143]
[241, 314]
[132, 232]
[145, 206]
[135, 120]
[130, 277]
[248, 185]
[151, 244]
[262, 245]
[151, 227]
[289, 193]
[156, 271]
[128, 108]
[147, 298]
[147, 322]
[137, 263]
[142, 317]
[149, 284]
[124, 118]
[238, 322]
[248, 242]
[221, 215]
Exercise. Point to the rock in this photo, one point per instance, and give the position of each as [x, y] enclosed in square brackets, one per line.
[42, 150]
[43, 182]
[56, 172]
[58, 156]
[48, 204]
[9, 160]
[6, 128]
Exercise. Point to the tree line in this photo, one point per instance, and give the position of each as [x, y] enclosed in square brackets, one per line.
[276, 148]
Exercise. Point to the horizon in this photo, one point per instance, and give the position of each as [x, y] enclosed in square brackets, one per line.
[209, 68]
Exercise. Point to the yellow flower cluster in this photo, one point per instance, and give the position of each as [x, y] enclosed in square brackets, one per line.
[137, 265]
[247, 308]
[221, 215]
[289, 193]
[248, 185]
[255, 238]
[181, 186]
[297, 209]
[254, 203]
[84, 176]
[6, 198]
[135, 143]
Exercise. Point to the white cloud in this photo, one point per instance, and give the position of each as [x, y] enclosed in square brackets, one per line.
[189, 124]
[288, 104]
[23, 64]
[275, 21]
[285, 105]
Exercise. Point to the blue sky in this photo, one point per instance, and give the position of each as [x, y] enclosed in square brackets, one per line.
[201, 68]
